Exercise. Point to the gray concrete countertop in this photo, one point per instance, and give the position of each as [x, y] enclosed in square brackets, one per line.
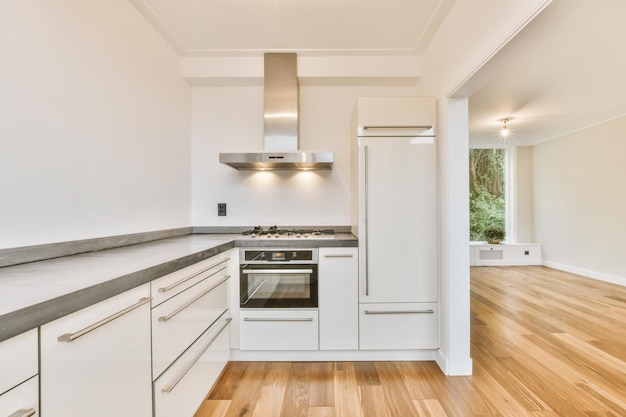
[36, 293]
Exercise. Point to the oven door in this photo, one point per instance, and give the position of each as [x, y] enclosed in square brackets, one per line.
[278, 286]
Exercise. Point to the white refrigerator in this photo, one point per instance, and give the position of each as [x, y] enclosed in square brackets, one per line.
[397, 222]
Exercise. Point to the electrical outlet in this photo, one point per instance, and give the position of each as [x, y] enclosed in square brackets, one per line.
[526, 252]
[221, 209]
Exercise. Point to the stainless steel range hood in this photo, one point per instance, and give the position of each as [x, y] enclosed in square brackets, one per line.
[280, 114]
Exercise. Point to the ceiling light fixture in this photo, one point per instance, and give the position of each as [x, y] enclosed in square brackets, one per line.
[505, 132]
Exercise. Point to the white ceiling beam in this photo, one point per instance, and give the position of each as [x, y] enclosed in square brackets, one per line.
[312, 70]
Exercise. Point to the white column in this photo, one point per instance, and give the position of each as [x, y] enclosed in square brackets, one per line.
[453, 155]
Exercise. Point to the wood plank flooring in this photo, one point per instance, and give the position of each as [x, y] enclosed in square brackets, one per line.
[545, 343]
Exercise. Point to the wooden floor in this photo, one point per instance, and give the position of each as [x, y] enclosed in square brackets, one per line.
[544, 343]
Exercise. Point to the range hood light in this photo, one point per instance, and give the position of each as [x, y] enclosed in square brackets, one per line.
[280, 116]
[297, 160]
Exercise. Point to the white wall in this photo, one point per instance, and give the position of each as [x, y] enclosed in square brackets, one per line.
[94, 123]
[231, 119]
[580, 201]
[471, 34]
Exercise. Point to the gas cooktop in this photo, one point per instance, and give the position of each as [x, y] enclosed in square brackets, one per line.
[273, 232]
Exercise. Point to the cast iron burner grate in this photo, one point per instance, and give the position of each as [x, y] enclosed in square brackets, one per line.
[275, 232]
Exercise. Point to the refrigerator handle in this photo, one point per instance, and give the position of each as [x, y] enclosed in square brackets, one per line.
[365, 210]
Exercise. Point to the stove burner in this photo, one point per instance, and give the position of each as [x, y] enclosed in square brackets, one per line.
[275, 232]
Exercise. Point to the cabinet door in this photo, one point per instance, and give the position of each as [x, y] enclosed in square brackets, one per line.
[390, 116]
[180, 320]
[21, 401]
[169, 285]
[96, 362]
[18, 359]
[279, 329]
[398, 220]
[179, 391]
[338, 298]
[398, 326]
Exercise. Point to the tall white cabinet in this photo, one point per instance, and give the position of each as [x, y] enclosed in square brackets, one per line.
[397, 223]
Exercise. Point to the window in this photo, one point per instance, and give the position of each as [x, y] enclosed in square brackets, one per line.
[487, 191]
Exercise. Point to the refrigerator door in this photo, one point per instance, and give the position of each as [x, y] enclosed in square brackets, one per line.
[398, 219]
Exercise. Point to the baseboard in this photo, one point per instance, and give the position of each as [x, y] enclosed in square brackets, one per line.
[442, 361]
[448, 370]
[586, 273]
[332, 355]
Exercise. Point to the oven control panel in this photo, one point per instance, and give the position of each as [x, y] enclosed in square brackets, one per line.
[302, 256]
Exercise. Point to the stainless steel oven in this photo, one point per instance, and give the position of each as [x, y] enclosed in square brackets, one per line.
[278, 278]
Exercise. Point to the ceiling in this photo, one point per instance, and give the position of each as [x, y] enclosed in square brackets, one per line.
[566, 70]
[329, 27]
[563, 72]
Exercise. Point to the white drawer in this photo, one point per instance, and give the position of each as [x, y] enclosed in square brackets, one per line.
[169, 285]
[18, 359]
[182, 388]
[179, 321]
[398, 326]
[278, 330]
[23, 398]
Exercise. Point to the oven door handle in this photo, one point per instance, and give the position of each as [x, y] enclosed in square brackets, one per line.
[277, 271]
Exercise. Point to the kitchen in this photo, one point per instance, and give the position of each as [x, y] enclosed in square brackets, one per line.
[129, 185]
[111, 105]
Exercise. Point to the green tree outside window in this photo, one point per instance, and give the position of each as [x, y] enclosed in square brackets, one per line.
[486, 191]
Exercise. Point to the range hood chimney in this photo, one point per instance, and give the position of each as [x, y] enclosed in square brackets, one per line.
[280, 114]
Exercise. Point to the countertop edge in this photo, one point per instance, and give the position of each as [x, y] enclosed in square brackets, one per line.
[24, 319]
[19, 321]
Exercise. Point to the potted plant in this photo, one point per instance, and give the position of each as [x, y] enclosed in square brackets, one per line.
[494, 234]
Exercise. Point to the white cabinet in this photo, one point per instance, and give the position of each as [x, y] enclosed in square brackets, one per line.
[19, 384]
[97, 361]
[389, 116]
[338, 299]
[21, 401]
[167, 286]
[398, 326]
[190, 335]
[398, 216]
[287, 329]
[18, 359]
[179, 391]
[177, 322]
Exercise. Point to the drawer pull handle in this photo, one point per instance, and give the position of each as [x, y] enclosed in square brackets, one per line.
[278, 319]
[420, 127]
[170, 387]
[193, 300]
[277, 271]
[70, 337]
[400, 312]
[340, 255]
[195, 274]
[24, 413]
[366, 180]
